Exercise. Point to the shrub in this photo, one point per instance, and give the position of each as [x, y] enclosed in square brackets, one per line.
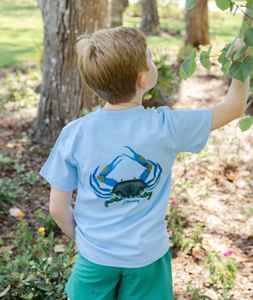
[37, 272]
[166, 77]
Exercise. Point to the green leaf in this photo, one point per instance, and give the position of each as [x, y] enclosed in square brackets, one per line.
[225, 65]
[241, 70]
[222, 55]
[22, 243]
[251, 11]
[240, 52]
[251, 51]
[244, 27]
[204, 297]
[212, 270]
[248, 37]
[190, 3]
[235, 10]
[231, 6]
[189, 66]
[223, 4]
[44, 287]
[249, 3]
[231, 48]
[245, 124]
[30, 296]
[205, 59]
[29, 236]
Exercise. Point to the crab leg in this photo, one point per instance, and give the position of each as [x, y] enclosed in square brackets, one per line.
[142, 161]
[155, 170]
[107, 170]
[97, 190]
[153, 185]
[96, 181]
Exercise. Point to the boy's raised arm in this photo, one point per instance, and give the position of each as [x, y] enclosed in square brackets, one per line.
[235, 101]
[233, 106]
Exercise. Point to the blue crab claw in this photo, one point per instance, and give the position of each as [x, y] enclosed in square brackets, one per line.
[153, 183]
[93, 177]
[107, 170]
[142, 161]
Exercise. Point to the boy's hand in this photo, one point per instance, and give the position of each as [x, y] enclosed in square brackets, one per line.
[238, 44]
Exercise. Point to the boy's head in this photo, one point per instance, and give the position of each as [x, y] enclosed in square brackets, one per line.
[115, 62]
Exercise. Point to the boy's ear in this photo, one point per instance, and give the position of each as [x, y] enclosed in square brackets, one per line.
[141, 80]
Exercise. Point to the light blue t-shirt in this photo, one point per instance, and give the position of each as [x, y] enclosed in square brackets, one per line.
[120, 162]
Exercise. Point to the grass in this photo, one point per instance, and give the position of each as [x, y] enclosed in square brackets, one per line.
[21, 31]
[21, 28]
[225, 26]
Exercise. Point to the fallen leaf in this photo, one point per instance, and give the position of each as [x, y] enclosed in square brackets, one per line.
[4, 292]
[230, 177]
[59, 248]
[241, 184]
[194, 269]
[181, 298]
[6, 248]
[14, 211]
[212, 294]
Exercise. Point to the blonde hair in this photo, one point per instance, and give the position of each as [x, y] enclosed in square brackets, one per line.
[110, 60]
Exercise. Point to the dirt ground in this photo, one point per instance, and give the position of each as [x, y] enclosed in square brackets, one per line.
[209, 187]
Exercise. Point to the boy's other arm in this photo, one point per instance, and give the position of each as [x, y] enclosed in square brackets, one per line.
[233, 106]
[62, 212]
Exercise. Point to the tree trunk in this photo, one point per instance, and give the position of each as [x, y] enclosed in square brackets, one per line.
[117, 9]
[149, 15]
[63, 94]
[125, 3]
[197, 30]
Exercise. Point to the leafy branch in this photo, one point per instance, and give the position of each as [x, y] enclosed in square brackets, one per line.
[239, 7]
[233, 62]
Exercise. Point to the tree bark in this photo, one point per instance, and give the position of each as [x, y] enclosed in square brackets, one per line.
[149, 15]
[63, 94]
[117, 8]
[197, 30]
[125, 3]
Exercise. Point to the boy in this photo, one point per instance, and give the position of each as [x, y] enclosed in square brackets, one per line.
[120, 159]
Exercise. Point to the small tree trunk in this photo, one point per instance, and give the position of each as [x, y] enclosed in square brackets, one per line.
[117, 9]
[63, 94]
[197, 30]
[149, 15]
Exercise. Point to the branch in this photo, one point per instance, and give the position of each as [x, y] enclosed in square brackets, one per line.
[249, 103]
[238, 7]
[249, 20]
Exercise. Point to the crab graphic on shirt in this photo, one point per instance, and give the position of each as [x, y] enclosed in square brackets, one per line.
[126, 189]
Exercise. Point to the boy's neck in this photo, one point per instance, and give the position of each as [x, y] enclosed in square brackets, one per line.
[122, 106]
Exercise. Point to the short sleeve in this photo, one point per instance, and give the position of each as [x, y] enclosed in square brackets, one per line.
[192, 128]
[59, 169]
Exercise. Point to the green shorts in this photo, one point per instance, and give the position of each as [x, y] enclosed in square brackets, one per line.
[90, 281]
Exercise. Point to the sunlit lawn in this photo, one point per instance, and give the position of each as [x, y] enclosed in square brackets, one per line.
[21, 31]
[223, 28]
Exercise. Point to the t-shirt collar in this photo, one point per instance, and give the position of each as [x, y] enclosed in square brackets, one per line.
[119, 114]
